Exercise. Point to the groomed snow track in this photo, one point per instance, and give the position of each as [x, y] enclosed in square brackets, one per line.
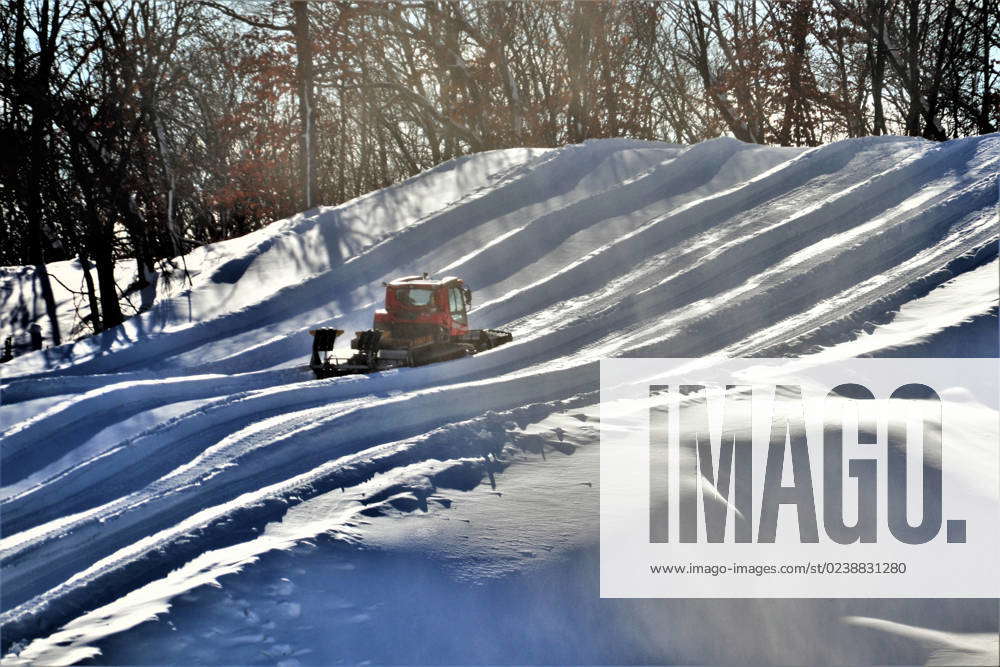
[127, 455]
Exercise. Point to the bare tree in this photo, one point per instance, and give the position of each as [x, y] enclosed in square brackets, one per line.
[142, 129]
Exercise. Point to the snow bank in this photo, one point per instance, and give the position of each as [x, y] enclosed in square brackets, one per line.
[143, 462]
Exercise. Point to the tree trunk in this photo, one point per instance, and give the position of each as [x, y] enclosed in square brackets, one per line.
[913, 69]
[105, 264]
[876, 51]
[699, 30]
[88, 279]
[940, 62]
[342, 154]
[985, 126]
[307, 108]
[793, 123]
[577, 52]
[39, 128]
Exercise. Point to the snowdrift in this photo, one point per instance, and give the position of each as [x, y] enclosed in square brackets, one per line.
[148, 451]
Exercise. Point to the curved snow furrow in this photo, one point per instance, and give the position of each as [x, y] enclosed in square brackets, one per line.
[53, 555]
[741, 246]
[732, 320]
[127, 465]
[620, 224]
[233, 443]
[71, 423]
[751, 259]
[876, 300]
[569, 244]
[244, 519]
[20, 390]
[711, 329]
[741, 313]
[158, 449]
[701, 285]
[132, 463]
[494, 264]
[736, 320]
[121, 468]
[723, 299]
[695, 226]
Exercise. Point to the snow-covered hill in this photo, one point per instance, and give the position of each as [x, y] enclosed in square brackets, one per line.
[141, 464]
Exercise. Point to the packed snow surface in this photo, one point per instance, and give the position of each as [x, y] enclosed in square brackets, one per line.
[144, 463]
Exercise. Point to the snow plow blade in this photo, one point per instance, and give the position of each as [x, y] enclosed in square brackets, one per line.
[485, 339]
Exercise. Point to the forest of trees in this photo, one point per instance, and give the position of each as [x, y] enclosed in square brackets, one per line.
[139, 129]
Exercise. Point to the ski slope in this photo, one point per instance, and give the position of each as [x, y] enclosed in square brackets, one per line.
[144, 462]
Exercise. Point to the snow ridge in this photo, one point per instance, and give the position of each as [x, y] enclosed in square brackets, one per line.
[127, 455]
